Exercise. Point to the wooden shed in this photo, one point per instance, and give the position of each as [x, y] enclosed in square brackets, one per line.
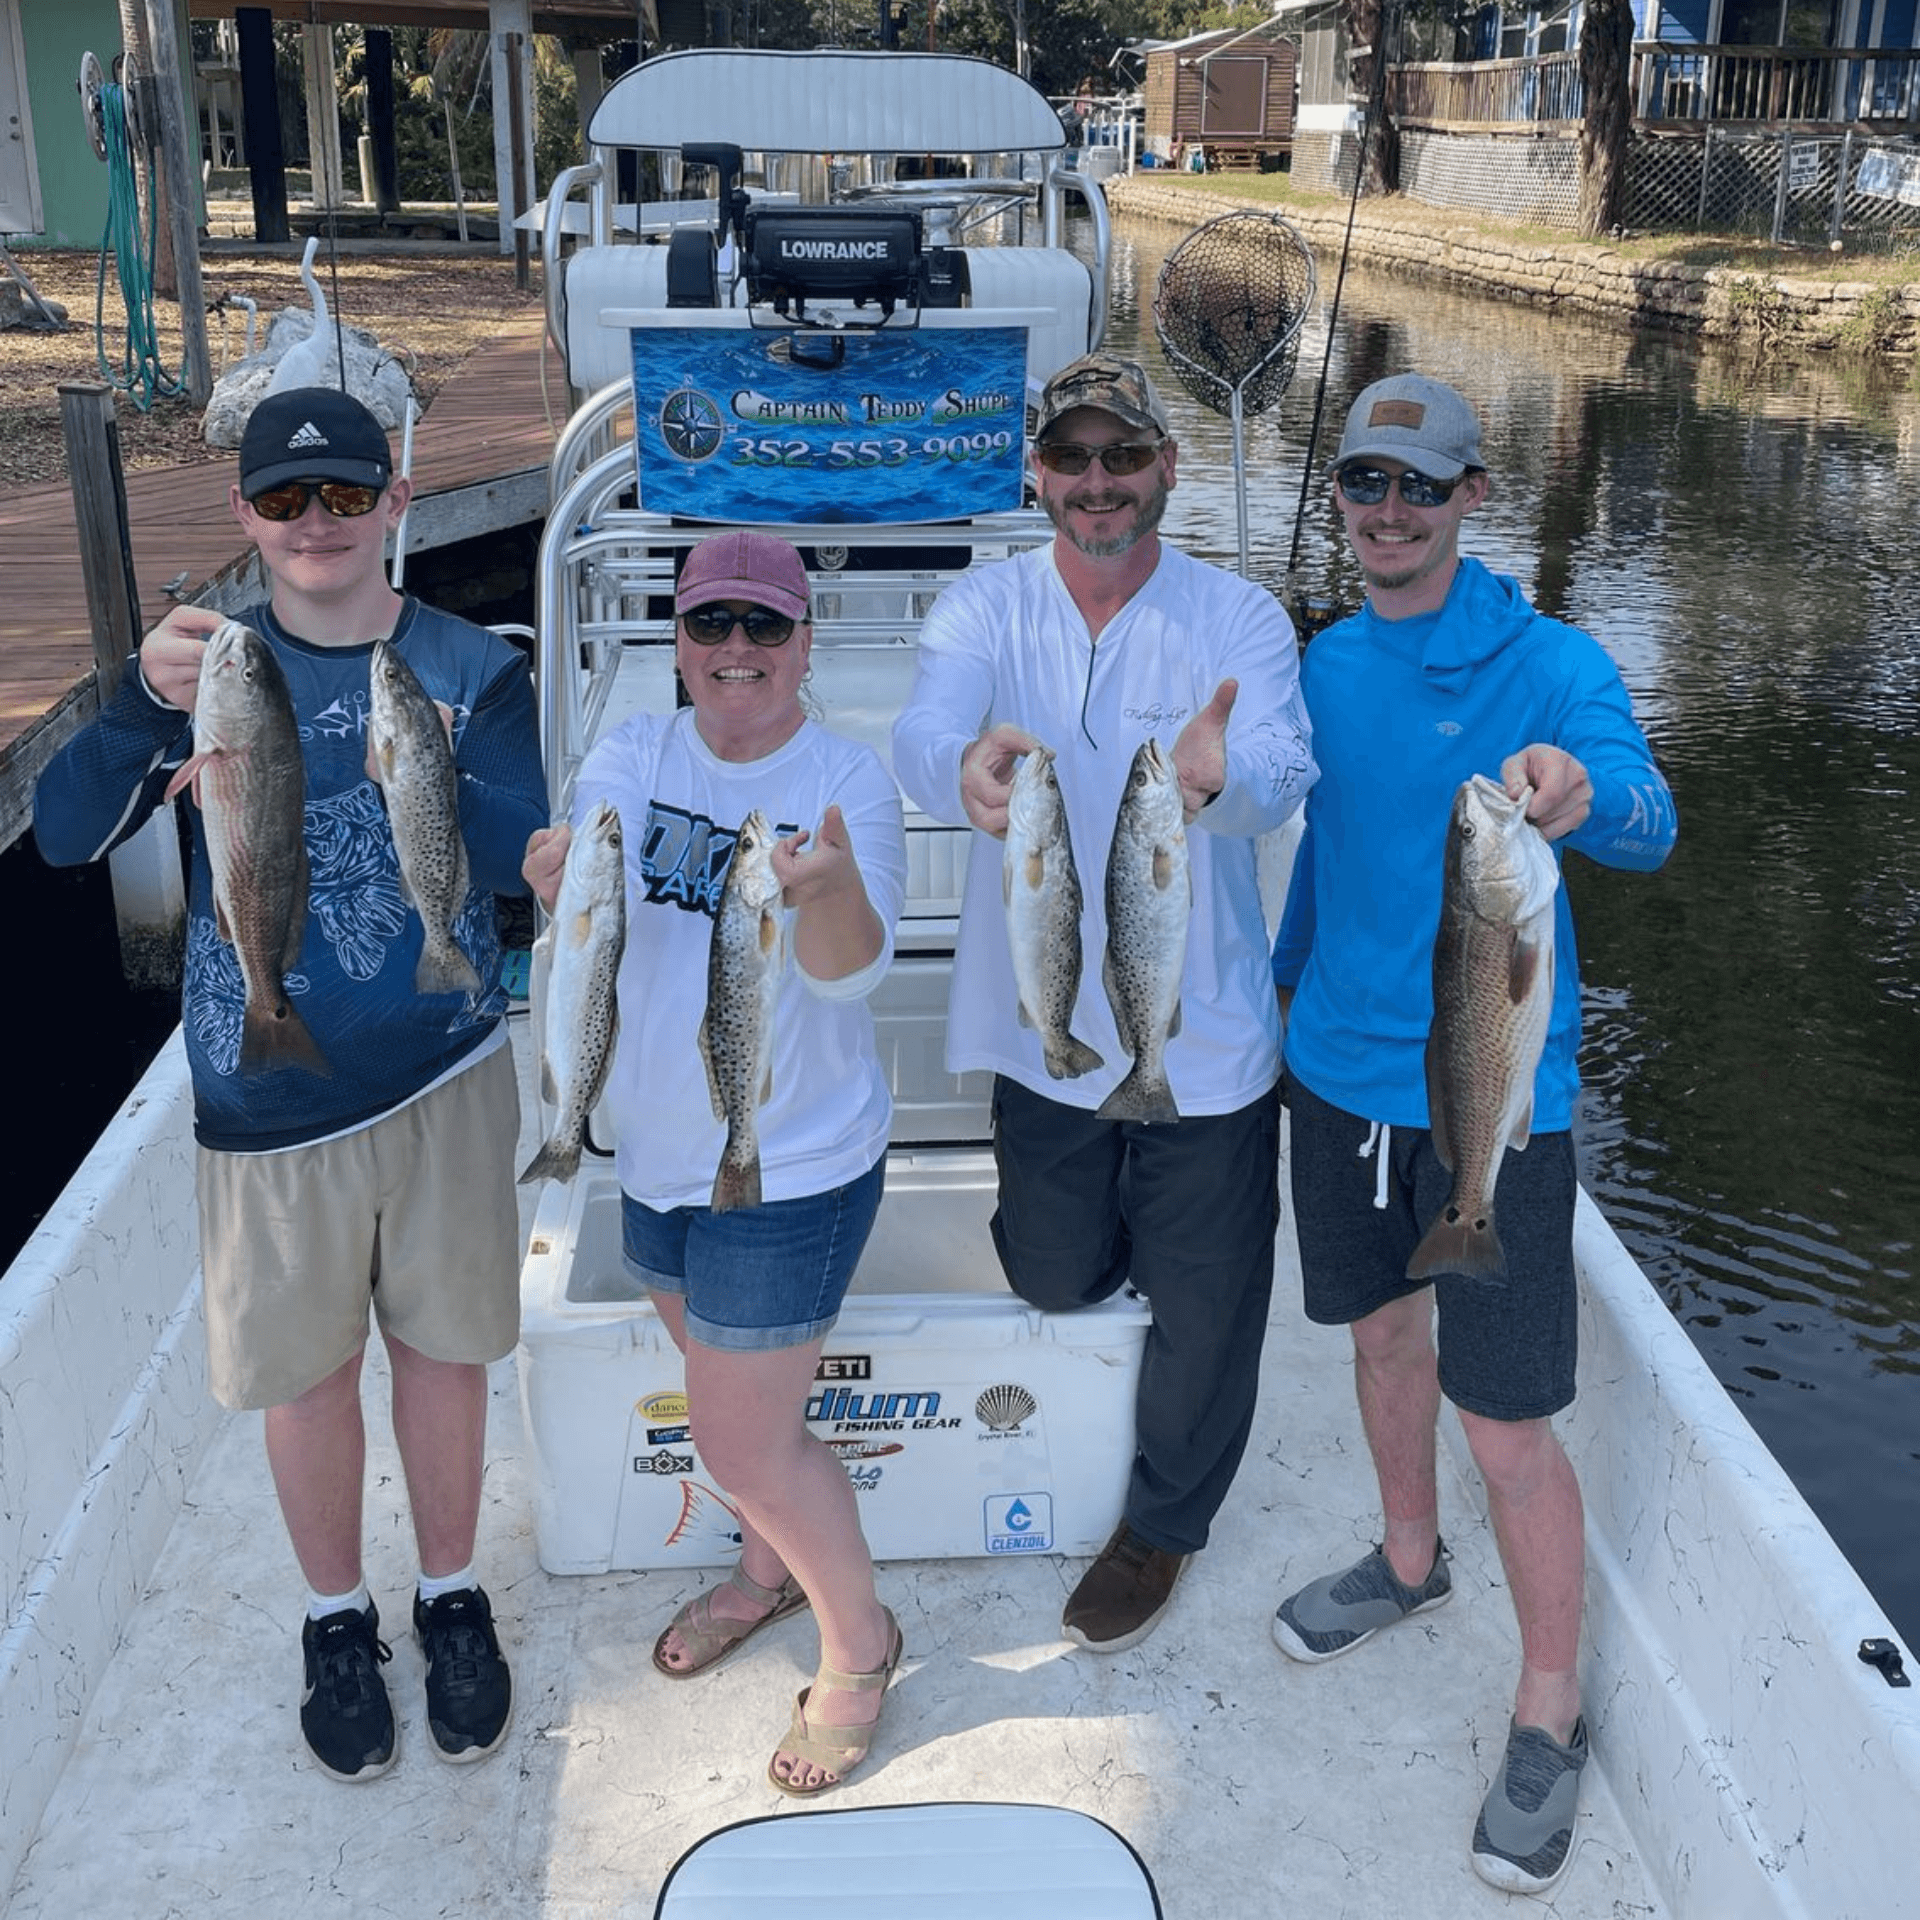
[1229, 93]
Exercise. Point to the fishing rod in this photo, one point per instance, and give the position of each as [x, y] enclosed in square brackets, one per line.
[1309, 617]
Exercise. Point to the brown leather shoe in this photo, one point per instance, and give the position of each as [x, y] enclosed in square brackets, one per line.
[1121, 1597]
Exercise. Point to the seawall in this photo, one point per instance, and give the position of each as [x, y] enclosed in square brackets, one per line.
[1795, 312]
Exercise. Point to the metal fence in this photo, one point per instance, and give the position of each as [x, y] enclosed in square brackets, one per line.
[1802, 189]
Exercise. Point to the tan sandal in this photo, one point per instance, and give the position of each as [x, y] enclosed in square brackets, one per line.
[838, 1749]
[708, 1638]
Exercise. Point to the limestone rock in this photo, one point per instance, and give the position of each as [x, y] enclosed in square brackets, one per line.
[293, 357]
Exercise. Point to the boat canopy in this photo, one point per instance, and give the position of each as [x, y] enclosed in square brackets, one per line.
[826, 101]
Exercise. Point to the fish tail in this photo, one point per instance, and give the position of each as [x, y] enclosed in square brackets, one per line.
[443, 968]
[1143, 1095]
[558, 1159]
[737, 1184]
[1460, 1241]
[272, 1034]
[1069, 1058]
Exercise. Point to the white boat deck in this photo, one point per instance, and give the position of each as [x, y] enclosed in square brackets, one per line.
[1249, 1785]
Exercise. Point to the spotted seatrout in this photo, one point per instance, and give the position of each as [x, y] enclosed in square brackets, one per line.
[583, 944]
[418, 781]
[1041, 887]
[744, 968]
[250, 782]
[1492, 994]
[1149, 903]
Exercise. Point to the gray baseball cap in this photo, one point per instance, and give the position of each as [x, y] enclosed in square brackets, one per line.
[1408, 417]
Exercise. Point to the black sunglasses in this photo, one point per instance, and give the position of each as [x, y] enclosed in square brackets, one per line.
[1068, 456]
[708, 626]
[1367, 486]
[341, 498]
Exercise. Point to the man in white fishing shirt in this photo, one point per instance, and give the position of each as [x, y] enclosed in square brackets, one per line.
[1092, 645]
[1447, 672]
[371, 1164]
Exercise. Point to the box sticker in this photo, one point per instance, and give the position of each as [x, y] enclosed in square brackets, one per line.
[1019, 1523]
[1003, 1411]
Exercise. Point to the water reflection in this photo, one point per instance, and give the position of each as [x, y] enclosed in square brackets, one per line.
[1742, 540]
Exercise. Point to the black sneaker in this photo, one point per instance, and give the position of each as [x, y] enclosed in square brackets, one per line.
[344, 1710]
[469, 1690]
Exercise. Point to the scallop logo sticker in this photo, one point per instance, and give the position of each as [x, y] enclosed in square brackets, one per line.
[1001, 1409]
[1018, 1523]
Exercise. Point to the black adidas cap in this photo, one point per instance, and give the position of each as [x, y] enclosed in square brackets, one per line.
[312, 433]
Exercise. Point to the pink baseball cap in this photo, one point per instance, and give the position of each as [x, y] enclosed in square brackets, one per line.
[760, 567]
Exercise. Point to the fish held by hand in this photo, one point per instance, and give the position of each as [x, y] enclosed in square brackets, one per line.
[583, 942]
[1041, 889]
[1149, 906]
[745, 965]
[249, 780]
[409, 744]
[1492, 997]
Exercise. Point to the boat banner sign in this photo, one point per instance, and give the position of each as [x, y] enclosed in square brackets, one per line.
[771, 427]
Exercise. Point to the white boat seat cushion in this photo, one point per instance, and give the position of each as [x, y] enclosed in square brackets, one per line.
[946, 1861]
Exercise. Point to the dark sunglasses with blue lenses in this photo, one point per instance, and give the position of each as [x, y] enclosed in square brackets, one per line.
[708, 626]
[341, 498]
[1367, 486]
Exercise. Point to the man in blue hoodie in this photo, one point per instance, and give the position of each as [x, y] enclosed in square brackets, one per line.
[1447, 672]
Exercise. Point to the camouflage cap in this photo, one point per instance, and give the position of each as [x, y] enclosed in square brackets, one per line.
[1106, 381]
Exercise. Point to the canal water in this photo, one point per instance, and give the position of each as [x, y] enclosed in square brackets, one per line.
[1742, 539]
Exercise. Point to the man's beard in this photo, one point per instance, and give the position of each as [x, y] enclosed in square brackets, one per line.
[1146, 517]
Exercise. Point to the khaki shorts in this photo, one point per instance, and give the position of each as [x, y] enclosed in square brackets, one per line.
[416, 1213]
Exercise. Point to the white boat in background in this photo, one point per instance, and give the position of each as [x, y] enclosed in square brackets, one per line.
[1747, 1761]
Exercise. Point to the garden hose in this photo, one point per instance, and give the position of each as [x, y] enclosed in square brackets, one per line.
[142, 375]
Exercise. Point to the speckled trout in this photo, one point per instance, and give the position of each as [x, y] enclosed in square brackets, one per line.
[1149, 903]
[1041, 887]
[250, 783]
[420, 786]
[744, 968]
[1492, 994]
[582, 947]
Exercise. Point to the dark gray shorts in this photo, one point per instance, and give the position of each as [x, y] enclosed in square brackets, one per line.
[1507, 1347]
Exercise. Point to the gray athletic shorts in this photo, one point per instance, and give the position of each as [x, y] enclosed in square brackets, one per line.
[415, 1213]
[1507, 1347]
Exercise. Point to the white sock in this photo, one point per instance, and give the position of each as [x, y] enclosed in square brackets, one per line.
[432, 1588]
[319, 1605]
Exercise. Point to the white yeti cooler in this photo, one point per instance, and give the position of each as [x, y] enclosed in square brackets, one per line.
[969, 1423]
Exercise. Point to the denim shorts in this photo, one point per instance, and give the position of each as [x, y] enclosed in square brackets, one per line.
[757, 1278]
[1507, 1348]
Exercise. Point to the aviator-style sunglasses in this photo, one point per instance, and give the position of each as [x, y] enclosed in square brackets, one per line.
[341, 498]
[1068, 456]
[708, 626]
[1367, 486]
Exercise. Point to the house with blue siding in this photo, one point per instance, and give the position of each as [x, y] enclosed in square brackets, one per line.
[1488, 104]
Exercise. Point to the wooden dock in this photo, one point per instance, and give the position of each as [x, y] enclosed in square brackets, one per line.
[479, 464]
